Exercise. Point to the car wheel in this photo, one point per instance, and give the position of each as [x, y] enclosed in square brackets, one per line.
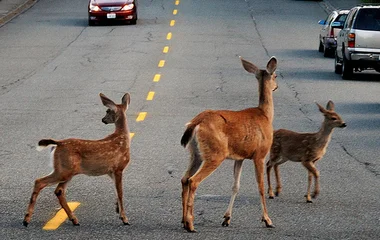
[320, 49]
[326, 52]
[91, 22]
[347, 69]
[338, 66]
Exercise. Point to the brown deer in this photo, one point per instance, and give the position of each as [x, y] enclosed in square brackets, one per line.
[213, 136]
[306, 148]
[109, 155]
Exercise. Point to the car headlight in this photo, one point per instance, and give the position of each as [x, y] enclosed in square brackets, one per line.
[94, 8]
[128, 7]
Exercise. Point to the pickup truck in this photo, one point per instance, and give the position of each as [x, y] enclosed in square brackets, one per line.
[358, 43]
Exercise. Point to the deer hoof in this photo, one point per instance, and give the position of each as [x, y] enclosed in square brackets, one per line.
[25, 223]
[271, 197]
[126, 223]
[267, 224]
[75, 222]
[226, 222]
[309, 201]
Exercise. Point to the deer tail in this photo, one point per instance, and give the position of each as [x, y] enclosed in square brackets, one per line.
[188, 134]
[44, 143]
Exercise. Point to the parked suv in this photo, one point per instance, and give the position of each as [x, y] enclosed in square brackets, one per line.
[328, 32]
[358, 43]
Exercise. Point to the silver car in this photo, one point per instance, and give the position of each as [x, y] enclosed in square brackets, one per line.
[329, 31]
[358, 43]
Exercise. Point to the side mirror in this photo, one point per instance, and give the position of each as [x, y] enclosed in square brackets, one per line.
[337, 25]
[321, 22]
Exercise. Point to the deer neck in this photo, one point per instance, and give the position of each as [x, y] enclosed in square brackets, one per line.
[121, 125]
[266, 100]
[324, 134]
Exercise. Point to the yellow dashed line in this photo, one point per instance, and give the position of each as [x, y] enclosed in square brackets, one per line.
[150, 96]
[177, 2]
[172, 23]
[141, 116]
[60, 217]
[175, 11]
[166, 49]
[131, 134]
[157, 78]
[169, 36]
[161, 63]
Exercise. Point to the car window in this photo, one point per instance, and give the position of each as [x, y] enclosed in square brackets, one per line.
[341, 18]
[350, 17]
[368, 19]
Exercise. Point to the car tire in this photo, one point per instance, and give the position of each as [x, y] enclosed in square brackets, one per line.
[338, 66]
[326, 52]
[320, 49]
[91, 22]
[347, 69]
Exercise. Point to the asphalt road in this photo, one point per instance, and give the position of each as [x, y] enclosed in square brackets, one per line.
[53, 67]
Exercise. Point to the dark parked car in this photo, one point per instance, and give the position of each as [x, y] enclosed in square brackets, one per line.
[112, 10]
[329, 31]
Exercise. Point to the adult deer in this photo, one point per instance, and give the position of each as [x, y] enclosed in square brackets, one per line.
[109, 155]
[213, 136]
[306, 148]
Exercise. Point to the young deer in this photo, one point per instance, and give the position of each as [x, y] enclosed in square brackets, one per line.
[213, 136]
[91, 157]
[306, 148]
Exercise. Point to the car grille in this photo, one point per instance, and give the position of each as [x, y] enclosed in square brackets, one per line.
[111, 9]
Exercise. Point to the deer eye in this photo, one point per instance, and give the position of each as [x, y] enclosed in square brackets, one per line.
[333, 118]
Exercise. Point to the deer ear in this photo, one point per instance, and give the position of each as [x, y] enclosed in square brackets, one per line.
[249, 67]
[321, 109]
[107, 102]
[330, 106]
[272, 65]
[126, 100]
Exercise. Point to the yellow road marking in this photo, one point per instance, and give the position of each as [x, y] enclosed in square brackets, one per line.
[172, 23]
[150, 96]
[157, 78]
[60, 217]
[175, 11]
[131, 134]
[166, 49]
[169, 36]
[161, 63]
[177, 2]
[141, 116]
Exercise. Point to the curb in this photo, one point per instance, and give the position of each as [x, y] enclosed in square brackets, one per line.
[15, 12]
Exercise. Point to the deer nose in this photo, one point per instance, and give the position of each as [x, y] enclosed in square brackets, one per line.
[343, 125]
[104, 121]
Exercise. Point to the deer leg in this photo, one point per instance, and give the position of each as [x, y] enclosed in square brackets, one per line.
[312, 171]
[39, 184]
[195, 163]
[235, 190]
[259, 169]
[118, 179]
[270, 190]
[203, 172]
[60, 192]
[278, 179]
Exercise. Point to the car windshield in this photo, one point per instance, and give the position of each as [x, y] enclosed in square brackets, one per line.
[368, 19]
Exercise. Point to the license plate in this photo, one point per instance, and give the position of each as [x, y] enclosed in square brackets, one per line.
[111, 15]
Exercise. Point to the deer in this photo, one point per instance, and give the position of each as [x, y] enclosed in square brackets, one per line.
[215, 135]
[306, 148]
[107, 156]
